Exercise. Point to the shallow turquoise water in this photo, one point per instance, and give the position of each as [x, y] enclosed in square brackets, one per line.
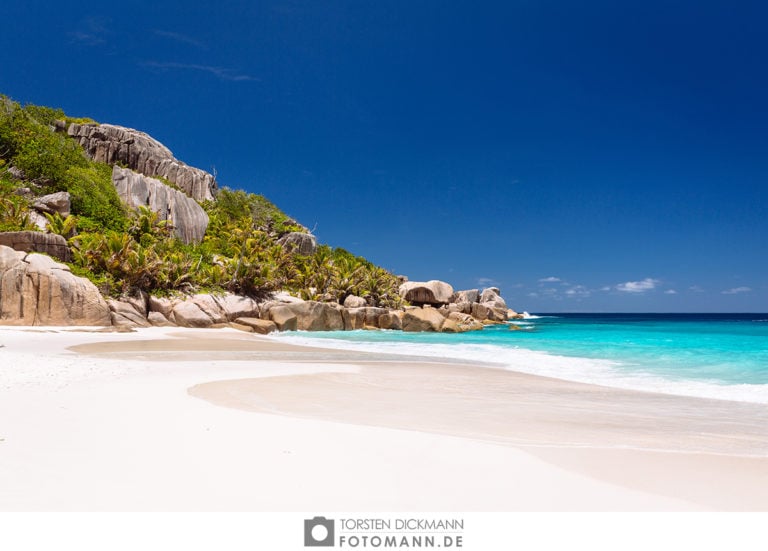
[714, 355]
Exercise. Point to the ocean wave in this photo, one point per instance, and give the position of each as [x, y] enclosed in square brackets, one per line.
[581, 370]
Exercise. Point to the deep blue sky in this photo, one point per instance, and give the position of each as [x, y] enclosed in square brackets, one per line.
[583, 156]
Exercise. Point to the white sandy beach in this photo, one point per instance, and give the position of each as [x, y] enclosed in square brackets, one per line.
[217, 420]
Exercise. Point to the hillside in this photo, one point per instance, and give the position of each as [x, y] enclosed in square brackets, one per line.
[140, 220]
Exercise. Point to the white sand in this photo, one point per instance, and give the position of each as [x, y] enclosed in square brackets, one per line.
[80, 432]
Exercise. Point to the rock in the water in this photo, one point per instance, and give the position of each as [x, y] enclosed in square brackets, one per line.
[36, 290]
[465, 322]
[54, 203]
[492, 299]
[302, 243]
[188, 219]
[258, 325]
[37, 242]
[354, 302]
[422, 319]
[432, 292]
[112, 144]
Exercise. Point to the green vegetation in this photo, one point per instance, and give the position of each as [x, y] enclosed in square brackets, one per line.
[122, 252]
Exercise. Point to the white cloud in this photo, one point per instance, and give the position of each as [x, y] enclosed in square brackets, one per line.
[183, 38]
[606, 288]
[696, 289]
[533, 295]
[222, 73]
[550, 279]
[647, 284]
[578, 291]
[670, 292]
[737, 290]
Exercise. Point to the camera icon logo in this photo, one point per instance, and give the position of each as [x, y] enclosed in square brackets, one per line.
[318, 532]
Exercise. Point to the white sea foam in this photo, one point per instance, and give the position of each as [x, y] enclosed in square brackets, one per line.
[583, 370]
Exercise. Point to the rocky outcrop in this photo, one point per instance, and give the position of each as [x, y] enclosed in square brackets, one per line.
[422, 319]
[37, 242]
[36, 290]
[302, 243]
[188, 219]
[113, 144]
[432, 292]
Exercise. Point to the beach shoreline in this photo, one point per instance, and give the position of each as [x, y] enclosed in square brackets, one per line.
[182, 419]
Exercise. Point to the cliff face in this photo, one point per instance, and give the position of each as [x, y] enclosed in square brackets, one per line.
[188, 219]
[113, 144]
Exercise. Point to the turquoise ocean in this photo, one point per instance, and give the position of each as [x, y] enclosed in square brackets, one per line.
[722, 356]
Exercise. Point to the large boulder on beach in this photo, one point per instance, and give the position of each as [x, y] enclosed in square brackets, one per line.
[353, 301]
[432, 292]
[37, 290]
[422, 319]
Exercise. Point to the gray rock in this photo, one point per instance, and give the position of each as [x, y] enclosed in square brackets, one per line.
[188, 219]
[426, 292]
[113, 144]
[470, 295]
[54, 203]
[36, 290]
[317, 316]
[38, 242]
[302, 243]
